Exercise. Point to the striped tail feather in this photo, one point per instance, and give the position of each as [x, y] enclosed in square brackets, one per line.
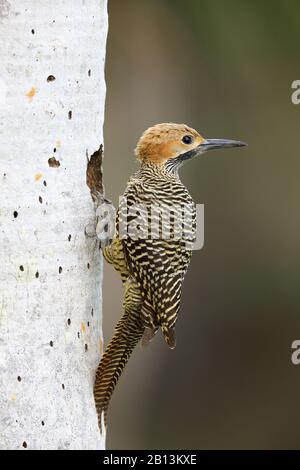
[128, 333]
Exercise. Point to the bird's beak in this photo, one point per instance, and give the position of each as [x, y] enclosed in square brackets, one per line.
[210, 144]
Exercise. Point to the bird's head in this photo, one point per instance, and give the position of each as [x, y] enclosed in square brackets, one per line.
[173, 144]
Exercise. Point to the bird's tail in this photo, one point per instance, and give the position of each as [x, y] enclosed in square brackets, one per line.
[128, 333]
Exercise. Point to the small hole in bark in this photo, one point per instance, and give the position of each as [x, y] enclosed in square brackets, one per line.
[92, 312]
[70, 114]
[51, 78]
[24, 445]
[88, 323]
[63, 386]
[15, 214]
[53, 163]
[51, 344]
[19, 378]
[45, 183]
[43, 424]
[88, 265]
[41, 199]
[60, 270]
[69, 321]
[21, 268]
[86, 347]
[37, 274]
[32, 31]
[69, 237]
[89, 72]
[54, 150]
[78, 335]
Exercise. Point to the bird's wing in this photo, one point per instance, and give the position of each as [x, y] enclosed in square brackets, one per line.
[158, 265]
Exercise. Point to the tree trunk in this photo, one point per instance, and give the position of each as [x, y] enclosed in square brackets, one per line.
[52, 95]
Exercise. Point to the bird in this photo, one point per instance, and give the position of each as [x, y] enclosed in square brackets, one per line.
[152, 247]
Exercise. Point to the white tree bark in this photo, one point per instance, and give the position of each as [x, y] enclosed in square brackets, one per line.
[52, 94]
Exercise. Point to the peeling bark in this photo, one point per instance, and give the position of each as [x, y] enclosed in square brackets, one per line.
[94, 174]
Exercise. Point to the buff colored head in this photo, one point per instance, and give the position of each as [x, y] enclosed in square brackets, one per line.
[167, 141]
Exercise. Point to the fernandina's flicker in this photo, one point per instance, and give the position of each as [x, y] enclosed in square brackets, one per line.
[152, 260]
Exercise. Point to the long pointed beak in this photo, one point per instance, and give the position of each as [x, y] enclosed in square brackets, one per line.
[210, 144]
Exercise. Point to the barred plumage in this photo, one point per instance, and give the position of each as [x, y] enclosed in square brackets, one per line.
[159, 264]
[156, 227]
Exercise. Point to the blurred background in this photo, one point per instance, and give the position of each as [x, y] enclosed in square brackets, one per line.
[224, 68]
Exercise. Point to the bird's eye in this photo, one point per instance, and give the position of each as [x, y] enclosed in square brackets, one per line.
[187, 139]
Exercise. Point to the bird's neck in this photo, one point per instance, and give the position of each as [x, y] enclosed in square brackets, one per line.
[159, 170]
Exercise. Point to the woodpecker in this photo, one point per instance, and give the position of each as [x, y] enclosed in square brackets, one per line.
[152, 268]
